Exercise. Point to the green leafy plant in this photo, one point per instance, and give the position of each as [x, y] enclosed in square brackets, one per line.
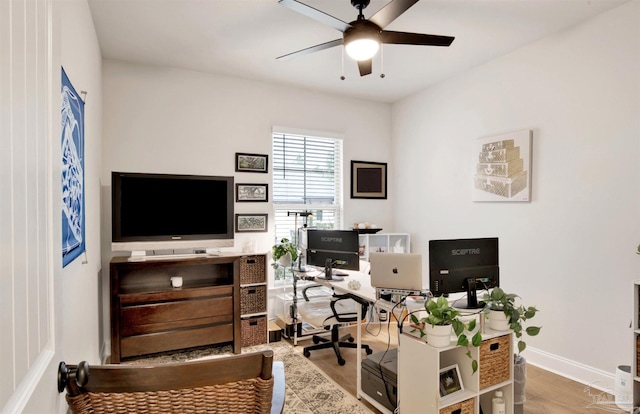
[281, 249]
[439, 312]
[638, 251]
[518, 315]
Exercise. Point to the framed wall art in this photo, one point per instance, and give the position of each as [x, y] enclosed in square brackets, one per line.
[450, 382]
[254, 223]
[252, 162]
[503, 167]
[252, 193]
[73, 188]
[368, 179]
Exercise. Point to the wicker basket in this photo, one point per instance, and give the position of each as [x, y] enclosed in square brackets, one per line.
[252, 270]
[253, 299]
[463, 407]
[248, 396]
[495, 358]
[254, 331]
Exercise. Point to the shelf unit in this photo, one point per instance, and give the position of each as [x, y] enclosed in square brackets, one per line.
[148, 315]
[419, 377]
[635, 367]
[253, 300]
[384, 242]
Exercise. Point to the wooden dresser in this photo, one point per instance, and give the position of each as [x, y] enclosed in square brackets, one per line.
[148, 315]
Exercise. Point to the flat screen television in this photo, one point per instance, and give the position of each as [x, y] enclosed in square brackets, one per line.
[463, 265]
[170, 211]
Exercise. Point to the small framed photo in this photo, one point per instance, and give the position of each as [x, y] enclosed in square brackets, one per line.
[252, 162]
[251, 223]
[252, 193]
[368, 179]
[450, 381]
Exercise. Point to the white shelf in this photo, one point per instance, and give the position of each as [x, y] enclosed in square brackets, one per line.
[419, 366]
[384, 242]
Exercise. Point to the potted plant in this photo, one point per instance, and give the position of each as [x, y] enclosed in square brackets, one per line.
[500, 306]
[440, 321]
[505, 314]
[284, 253]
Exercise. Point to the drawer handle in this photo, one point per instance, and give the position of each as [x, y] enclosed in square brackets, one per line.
[495, 346]
[251, 291]
[458, 411]
[253, 323]
[251, 261]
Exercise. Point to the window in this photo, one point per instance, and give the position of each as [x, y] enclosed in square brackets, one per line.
[307, 176]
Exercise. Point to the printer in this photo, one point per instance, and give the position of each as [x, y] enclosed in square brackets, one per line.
[379, 373]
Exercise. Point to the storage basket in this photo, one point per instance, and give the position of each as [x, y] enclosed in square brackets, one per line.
[254, 331]
[252, 270]
[463, 407]
[495, 357]
[253, 299]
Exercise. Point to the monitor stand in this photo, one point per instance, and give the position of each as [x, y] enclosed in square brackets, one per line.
[472, 297]
[330, 273]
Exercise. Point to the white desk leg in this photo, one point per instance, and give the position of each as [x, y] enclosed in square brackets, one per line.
[359, 356]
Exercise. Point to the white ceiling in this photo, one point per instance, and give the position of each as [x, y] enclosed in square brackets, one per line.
[243, 38]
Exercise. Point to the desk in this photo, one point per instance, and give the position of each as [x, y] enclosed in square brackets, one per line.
[368, 293]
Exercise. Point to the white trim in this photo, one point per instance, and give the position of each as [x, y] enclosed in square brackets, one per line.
[22, 394]
[277, 129]
[584, 374]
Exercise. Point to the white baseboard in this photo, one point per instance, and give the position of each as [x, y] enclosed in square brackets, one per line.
[105, 351]
[584, 374]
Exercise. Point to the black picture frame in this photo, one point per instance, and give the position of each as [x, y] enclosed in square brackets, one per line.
[450, 381]
[252, 193]
[246, 162]
[252, 223]
[368, 179]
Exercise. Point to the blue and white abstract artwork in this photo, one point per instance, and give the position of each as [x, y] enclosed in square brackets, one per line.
[73, 214]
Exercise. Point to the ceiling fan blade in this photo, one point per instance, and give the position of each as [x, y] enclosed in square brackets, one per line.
[403, 38]
[311, 49]
[315, 14]
[391, 11]
[365, 67]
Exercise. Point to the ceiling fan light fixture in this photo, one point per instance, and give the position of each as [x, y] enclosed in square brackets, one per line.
[362, 49]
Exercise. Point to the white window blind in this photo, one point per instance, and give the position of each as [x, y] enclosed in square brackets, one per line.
[307, 176]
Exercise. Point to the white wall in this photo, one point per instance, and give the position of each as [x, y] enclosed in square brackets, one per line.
[570, 251]
[165, 120]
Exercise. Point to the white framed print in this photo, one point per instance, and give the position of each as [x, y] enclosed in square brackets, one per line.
[502, 170]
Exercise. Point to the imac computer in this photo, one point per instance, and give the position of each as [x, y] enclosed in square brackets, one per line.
[331, 250]
[463, 266]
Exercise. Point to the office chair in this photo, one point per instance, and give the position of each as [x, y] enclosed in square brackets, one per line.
[331, 313]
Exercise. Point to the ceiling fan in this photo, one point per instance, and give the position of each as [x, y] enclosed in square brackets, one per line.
[362, 37]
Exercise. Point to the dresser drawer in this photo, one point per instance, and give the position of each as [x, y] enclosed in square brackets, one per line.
[171, 340]
[175, 311]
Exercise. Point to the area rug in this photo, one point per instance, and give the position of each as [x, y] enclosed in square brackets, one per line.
[308, 390]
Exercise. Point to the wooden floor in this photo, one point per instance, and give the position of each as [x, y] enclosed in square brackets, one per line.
[546, 393]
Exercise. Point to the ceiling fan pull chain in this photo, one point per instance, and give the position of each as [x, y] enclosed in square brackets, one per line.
[382, 61]
[342, 77]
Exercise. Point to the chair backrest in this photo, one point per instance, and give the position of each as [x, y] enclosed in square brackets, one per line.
[239, 383]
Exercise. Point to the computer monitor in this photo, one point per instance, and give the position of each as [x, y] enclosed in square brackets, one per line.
[333, 249]
[463, 265]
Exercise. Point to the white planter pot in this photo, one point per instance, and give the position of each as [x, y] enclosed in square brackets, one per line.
[285, 260]
[438, 336]
[498, 321]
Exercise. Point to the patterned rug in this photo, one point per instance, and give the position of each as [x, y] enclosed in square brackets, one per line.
[308, 390]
